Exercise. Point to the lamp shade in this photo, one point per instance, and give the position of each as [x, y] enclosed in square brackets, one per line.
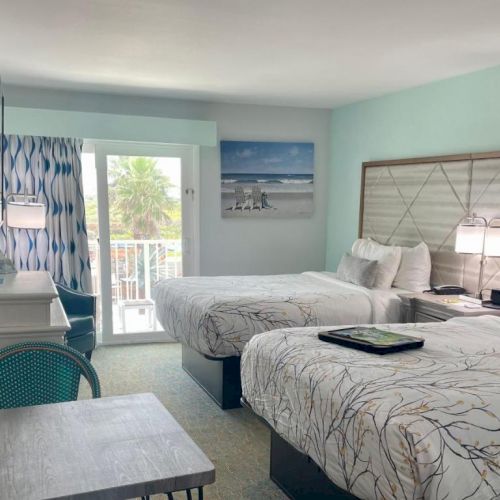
[25, 215]
[470, 238]
[492, 243]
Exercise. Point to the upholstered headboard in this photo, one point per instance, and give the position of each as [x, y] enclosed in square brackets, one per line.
[407, 201]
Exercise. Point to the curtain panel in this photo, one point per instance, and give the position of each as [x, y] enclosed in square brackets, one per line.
[51, 169]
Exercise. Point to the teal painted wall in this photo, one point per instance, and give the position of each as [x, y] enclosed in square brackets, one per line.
[109, 127]
[458, 115]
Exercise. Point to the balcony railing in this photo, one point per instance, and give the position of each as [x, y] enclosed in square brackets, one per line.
[136, 265]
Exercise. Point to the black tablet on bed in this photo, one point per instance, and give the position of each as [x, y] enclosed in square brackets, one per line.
[371, 339]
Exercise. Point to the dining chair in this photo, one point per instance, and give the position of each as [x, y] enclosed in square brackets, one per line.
[36, 373]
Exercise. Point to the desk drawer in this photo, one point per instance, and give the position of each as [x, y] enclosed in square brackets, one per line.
[420, 317]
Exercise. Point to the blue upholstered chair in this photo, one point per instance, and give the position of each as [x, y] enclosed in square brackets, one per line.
[81, 311]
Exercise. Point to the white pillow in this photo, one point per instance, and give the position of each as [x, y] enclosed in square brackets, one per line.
[388, 259]
[415, 269]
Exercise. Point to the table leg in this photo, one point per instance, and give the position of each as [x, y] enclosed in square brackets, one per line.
[188, 494]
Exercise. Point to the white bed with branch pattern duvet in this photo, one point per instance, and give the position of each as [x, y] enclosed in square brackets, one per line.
[217, 316]
[419, 424]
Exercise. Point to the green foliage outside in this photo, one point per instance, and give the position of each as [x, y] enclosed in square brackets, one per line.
[140, 203]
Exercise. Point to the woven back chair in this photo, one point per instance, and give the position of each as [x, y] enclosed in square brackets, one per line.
[36, 373]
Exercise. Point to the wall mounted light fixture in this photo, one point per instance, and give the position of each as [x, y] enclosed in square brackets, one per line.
[476, 236]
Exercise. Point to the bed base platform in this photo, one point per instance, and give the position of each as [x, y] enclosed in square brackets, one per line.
[297, 474]
[219, 378]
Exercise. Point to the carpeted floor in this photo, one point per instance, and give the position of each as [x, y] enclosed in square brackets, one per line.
[234, 440]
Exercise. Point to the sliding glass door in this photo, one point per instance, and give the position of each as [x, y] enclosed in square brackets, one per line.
[146, 231]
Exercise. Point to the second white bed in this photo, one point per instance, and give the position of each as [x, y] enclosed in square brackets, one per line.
[217, 316]
[417, 424]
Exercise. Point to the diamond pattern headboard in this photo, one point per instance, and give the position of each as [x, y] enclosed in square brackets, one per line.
[404, 202]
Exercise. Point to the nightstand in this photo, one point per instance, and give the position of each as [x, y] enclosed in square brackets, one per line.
[426, 307]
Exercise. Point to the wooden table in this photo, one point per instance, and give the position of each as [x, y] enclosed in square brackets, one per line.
[110, 448]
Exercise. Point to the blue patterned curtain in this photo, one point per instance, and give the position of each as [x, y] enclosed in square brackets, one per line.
[51, 169]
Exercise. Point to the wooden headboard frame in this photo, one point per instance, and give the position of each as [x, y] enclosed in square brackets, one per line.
[477, 186]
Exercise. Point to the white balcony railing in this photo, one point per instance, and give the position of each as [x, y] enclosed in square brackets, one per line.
[136, 265]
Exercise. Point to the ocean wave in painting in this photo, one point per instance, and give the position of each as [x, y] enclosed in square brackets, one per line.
[266, 179]
[295, 181]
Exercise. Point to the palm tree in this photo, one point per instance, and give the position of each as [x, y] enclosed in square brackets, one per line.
[139, 194]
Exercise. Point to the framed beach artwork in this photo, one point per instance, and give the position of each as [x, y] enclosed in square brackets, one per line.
[267, 179]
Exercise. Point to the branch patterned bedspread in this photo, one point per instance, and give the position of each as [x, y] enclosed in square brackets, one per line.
[419, 424]
[217, 316]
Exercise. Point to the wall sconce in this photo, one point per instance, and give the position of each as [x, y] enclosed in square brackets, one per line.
[23, 212]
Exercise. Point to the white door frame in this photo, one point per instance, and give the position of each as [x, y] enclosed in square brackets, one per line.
[190, 183]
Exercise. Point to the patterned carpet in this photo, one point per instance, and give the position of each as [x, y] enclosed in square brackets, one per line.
[234, 440]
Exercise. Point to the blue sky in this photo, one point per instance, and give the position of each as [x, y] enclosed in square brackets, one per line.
[243, 157]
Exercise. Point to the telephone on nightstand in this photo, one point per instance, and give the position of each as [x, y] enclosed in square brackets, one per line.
[447, 290]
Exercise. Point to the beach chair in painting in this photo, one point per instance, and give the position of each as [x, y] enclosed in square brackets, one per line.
[256, 198]
[240, 201]
[248, 202]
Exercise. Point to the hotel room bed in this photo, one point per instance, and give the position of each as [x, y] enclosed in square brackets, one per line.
[214, 317]
[217, 316]
[418, 424]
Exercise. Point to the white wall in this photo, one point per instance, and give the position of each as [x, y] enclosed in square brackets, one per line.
[229, 246]
[263, 246]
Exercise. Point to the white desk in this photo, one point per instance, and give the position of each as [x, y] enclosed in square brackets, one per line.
[30, 309]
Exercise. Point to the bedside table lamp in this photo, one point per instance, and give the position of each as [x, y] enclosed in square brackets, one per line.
[492, 242]
[471, 232]
[475, 236]
[470, 240]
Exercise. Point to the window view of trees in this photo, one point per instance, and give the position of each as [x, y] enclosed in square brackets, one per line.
[143, 201]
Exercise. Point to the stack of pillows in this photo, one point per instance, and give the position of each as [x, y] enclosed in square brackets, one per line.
[373, 265]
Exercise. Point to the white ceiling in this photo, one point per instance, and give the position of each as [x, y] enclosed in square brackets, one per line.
[320, 53]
